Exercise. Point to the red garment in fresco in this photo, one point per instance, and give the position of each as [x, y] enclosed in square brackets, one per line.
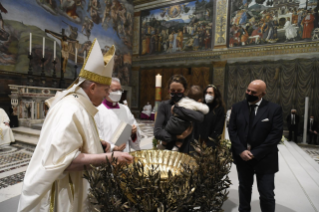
[307, 26]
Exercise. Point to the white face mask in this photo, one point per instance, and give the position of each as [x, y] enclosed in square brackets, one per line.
[115, 96]
[209, 98]
[311, 119]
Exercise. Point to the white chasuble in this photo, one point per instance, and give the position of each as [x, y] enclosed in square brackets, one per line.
[108, 119]
[68, 130]
[6, 135]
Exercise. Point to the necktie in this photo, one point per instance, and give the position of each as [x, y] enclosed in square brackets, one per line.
[293, 119]
[311, 125]
[252, 115]
[251, 121]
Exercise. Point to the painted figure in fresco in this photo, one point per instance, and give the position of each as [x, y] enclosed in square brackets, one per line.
[180, 39]
[87, 26]
[107, 10]
[94, 7]
[207, 40]
[308, 25]
[66, 47]
[271, 27]
[69, 7]
[290, 30]
[196, 42]
[244, 35]
[2, 10]
[301, 16]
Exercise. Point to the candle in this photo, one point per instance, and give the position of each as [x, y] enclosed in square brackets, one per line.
[54, 51]
[76, 55]
[43, 47]
[158, 81]
[84, 55]
[30, 45]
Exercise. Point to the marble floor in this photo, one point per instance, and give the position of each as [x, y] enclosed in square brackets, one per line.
[297, 182]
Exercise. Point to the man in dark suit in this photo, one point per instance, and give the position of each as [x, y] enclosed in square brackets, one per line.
[255, 129]
[312, 130]
[292, 122]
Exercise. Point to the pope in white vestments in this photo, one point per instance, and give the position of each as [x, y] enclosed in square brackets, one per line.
[69, 141]
[110, 115]
[6, 135]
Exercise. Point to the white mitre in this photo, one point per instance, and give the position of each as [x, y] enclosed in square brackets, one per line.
[96, 68]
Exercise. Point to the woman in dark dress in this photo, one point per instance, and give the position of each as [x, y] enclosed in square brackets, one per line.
[213, 124]
[176, 87]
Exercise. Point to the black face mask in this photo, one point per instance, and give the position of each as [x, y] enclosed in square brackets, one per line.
[176, 96]
[251, 98]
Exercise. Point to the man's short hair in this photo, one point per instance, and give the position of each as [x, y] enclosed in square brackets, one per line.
[195, 92]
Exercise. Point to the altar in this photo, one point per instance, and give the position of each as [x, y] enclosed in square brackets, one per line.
[28, 103]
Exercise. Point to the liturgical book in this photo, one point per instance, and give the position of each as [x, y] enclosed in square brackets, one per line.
[121, 134]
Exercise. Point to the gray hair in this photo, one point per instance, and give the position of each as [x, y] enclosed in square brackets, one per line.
[84, 85]
[115, 79]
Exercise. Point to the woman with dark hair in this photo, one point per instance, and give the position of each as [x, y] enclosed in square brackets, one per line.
[177, 86]
[213, 124]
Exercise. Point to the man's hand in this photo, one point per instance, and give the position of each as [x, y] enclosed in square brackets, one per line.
[315, 132]
[7, 124]
[186, 133]
[106, 145]
[134, 128]
[119, 148]
[310, 130]
[246, 155]
[123, 157]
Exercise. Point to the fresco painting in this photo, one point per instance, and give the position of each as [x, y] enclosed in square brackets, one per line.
[256, 22]
[180, 27]
[110, 21]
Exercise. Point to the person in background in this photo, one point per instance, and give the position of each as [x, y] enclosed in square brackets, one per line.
[177, 86]
[213, 124]
[255, 130]
[312, 130]
[110, 115]
[177, 124]
[292, 122]
[147, 110]
[6, 135]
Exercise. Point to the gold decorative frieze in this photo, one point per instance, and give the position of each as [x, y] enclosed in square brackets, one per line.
[145, 5]
[279, 50]
[221, 22]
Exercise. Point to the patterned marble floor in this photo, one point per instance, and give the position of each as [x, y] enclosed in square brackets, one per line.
[14, 160]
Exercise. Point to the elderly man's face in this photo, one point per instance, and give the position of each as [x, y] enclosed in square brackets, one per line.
[115, 86]
[98, 93]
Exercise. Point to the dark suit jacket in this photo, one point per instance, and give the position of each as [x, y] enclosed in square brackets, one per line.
[314, 126]
[266, 134]
[289, 120]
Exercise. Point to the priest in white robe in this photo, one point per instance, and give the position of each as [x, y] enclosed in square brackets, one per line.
[69, 141]
[6, 135]
[110, 115]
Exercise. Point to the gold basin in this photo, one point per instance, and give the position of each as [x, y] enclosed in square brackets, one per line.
[165, 160]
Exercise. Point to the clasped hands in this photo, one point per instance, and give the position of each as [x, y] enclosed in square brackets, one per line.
[246, 155]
